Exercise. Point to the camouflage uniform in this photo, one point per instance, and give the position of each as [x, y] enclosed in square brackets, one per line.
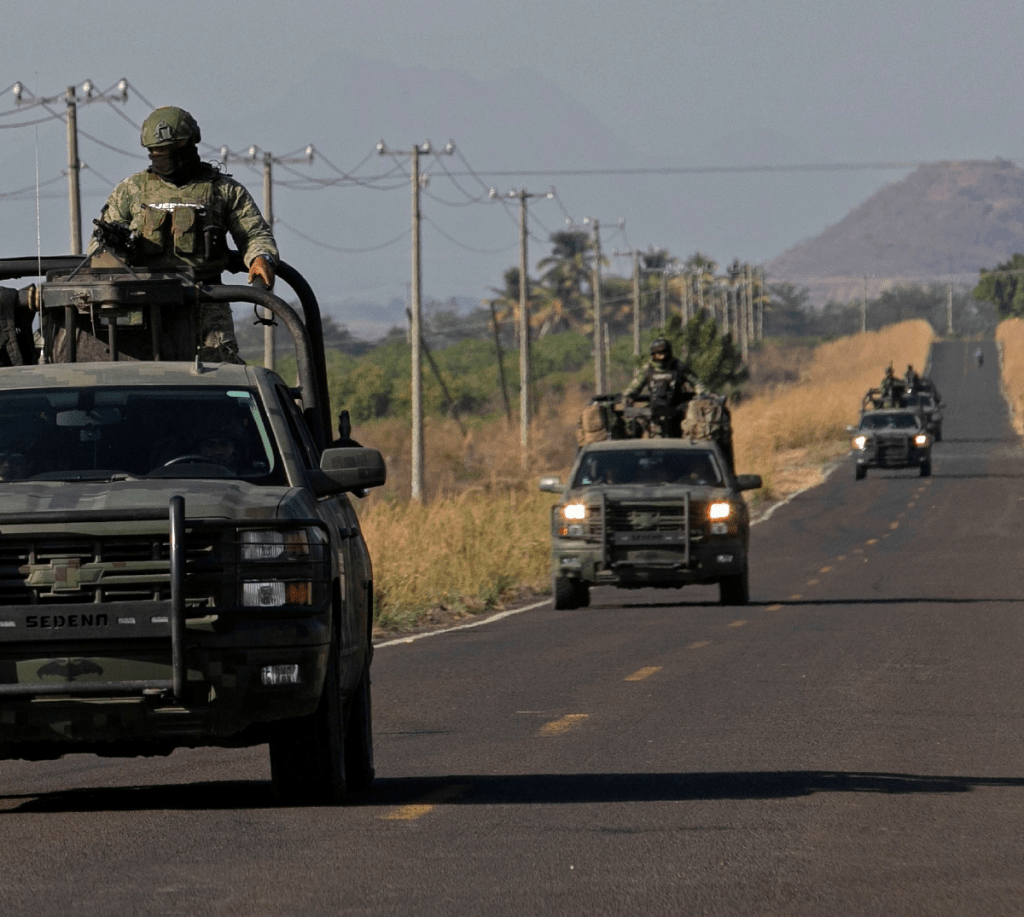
[186, 225]
[670, 384]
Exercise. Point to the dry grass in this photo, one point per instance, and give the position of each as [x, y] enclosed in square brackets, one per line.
[1010, 338]
[481, 537]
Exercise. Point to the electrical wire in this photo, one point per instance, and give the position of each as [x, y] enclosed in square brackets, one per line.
[468, 248]
[335, 248]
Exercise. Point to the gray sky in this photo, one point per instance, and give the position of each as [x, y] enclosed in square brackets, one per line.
[691, 84]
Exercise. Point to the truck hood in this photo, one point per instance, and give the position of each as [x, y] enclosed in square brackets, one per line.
[204, 499]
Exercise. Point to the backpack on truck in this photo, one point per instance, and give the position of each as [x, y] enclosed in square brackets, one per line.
[600, 420]
[708, 417]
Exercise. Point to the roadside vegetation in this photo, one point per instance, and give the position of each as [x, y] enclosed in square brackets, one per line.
[1010, 339]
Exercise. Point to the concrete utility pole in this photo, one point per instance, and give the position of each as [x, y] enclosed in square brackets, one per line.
[416, 319]
[949, 310]
[268, 160]
[600, 373]
[71, 101]
[74, 168]
[864, 309]
[664, 297]
[636, 303]
[525, 366]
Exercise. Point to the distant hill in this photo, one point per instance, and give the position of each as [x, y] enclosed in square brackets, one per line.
[941, 223]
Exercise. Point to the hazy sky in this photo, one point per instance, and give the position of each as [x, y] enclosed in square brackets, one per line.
[690, 84]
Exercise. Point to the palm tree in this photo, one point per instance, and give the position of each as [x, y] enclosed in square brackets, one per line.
[566, 274]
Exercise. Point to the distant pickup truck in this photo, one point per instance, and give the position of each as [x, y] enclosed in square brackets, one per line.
[891, 438]
[661, 513]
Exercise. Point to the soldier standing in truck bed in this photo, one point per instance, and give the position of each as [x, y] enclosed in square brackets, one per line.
[180, 211]
[670, 384]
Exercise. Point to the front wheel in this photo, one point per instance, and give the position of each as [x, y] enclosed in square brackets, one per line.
[359, 770]
[926, 469]
[860, 472]
[566, 593]
[307, 754]
[735, 590]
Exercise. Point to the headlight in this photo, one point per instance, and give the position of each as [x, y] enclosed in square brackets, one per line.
[574, 511]
[275, 544]
[859, 442]
[719, 511]
[921, 439]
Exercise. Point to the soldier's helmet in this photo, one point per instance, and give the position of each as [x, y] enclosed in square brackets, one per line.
[661, 349]
[168, 125]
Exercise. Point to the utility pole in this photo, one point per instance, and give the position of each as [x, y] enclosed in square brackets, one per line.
[525, 367]
[268, 160]
[416, 317]
[74, 167]
[636, 303]
[864, 309]
[71, 101]
[949, 310]
[600, 374]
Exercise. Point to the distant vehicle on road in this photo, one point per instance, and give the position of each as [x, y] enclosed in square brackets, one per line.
[892, 438]
[659, 513]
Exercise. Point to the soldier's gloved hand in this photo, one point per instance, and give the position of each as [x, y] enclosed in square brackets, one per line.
[263, 268]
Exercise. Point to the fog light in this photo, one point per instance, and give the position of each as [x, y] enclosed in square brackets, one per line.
[719, 528]
[573, 562]
[272, 675]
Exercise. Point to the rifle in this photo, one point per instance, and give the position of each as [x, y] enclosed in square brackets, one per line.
[117, 237]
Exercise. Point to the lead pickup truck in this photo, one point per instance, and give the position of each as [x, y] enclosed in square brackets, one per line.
[180, 562]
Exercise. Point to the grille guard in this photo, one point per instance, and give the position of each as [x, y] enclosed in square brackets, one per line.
[174, 610]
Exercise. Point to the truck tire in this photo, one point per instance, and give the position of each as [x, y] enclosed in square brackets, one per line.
[359, 770]
[926, 469]
[735, 590]
[307, 754]
[582, 594]
[860, 472]
[566, 592]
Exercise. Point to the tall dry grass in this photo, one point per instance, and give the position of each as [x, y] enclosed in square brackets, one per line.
[1010, 339]
[481, 536]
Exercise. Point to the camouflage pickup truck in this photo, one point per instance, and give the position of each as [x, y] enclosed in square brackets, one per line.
[180, 562]
[642, 513]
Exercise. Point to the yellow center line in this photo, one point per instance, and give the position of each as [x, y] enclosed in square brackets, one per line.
[641, 674]
[774, 607]
[737, 623]
[557, 727]
[825, 569]
[872, 541]
[796, 596]
[419, 809]
[699, 644]
[811, 582]
[894, 525]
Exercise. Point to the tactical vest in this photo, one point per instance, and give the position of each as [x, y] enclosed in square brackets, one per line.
[178, 225]
[663, 386]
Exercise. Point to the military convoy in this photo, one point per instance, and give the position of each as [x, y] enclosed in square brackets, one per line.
[899, 423]
[180, 562]
[641, 511]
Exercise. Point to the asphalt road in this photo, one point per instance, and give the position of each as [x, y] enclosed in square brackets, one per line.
[850, 742]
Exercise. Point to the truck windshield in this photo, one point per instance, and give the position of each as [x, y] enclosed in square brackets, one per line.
[648, 466]
[101, 433]
[888, 422]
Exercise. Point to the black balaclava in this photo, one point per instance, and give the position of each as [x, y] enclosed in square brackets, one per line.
[176, 164]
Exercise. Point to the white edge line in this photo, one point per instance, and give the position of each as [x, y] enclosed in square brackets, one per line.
[447, 630]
